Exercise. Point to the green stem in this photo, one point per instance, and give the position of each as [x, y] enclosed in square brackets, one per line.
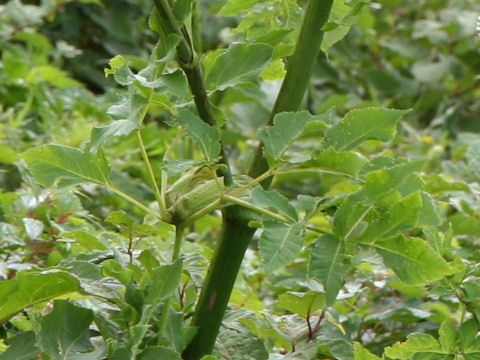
[219, 283]
[168, 301]
[266, 212]
[133, 201]
[299, 69]
[236, 234]
[313, 169]
[158, 195]
[188, 62]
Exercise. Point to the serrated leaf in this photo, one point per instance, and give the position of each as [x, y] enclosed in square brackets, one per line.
[279, 244]
[359, 125]
[428, 214]
[241, 63]
[64, 333]
[349, 218]
[27, 289]
[68, 165]
[164, 282]
[381, 182]
[412, 259]
[329, 264]
[400, 216]
[302, 304]
[287, 127]
[52, 75]
[100, 134]
[416, 343]
[309, 204]
[345, 162]
[273, 200]
[360, 353]
[208, 137]
[128, 115]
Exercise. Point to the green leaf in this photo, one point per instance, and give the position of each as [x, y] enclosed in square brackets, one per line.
[240, 63]
[208, 137]
[287, 127]
[349, 218]
[329, 264]
[233, 7]
[181, 9]
[360, 353]
[448, 337]
[164, 282]
[69, 166]
[359, 125]
[64, 333]
[302, 304]
[119, 218]
[158, 352]
[399, 177]
[345, 162]
[412, 259]
[416, 343]
[22, 347]
[428, 215]
[473, 156]
[273, 200]
[129, 117]
[86, 239]
[399, 216]
[52, 75]
[279, 244]
[468, 333]
[28, 288]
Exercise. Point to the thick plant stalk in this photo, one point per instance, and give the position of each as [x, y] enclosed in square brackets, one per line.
[299, 69]
[236, 234]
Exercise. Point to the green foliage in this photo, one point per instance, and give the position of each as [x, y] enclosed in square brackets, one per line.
[113, 188]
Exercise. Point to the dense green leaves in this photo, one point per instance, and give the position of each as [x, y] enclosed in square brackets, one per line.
[365, 248]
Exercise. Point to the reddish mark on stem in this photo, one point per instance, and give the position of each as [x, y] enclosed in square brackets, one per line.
[212, 300]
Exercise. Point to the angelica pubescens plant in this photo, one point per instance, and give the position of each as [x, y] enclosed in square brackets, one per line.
[209, 149]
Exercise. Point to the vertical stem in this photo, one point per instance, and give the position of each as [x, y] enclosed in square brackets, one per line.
[188, 62]
[299, 70]
[219, 283]
[236, 234]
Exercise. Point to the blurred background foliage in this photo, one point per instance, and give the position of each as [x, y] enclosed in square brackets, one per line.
[415, 54]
